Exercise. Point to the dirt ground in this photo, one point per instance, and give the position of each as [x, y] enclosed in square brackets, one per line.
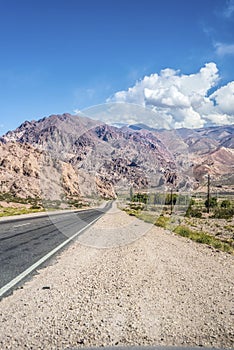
[124, 282]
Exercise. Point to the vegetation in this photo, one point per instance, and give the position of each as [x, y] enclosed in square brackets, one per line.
[17, 205]
[204, 238]
[145, 207]
[140, 197]
[10, 211]
[226, 203]
[212, 203]
[193, 212]
[171, 199]
[11, 198]
[223, 213]
[162, 221]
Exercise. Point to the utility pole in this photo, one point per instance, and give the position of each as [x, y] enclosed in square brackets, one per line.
[171, 200]
[131, 193]
[208, 194]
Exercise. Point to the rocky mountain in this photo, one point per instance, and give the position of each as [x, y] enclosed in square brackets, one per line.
[65, 155]
[208, 150]
[26, 171]
[104, 156]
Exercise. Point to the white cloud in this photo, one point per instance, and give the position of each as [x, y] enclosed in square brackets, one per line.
[166, 97]
[180, 100]
[220, 119]
[224, 49]
[224, 99]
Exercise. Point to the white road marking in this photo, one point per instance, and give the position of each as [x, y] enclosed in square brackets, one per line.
[21, 225]
[25, 273]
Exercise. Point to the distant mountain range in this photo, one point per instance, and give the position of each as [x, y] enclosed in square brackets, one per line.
[72, 156]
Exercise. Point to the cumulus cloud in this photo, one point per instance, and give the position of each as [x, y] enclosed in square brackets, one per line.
[181, 100]
[224, 98]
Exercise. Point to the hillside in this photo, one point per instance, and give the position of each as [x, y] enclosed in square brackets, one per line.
[66, 155]
[208, 150]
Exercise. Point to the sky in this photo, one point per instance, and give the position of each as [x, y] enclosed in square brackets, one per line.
[174, 57]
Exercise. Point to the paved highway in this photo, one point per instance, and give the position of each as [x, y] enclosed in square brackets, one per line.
[26, 241]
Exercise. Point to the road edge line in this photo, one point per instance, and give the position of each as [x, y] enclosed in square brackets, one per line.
[30, 269]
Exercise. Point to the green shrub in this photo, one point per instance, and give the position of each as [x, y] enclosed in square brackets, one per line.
[226, 203]
[195, 213]
[182, 231]
[213, 202]
[137, 206]
[33, 207]
[130, 212]
[223, 213]
[171, 199]
[204, 238]
[140, 197]
[162, 221]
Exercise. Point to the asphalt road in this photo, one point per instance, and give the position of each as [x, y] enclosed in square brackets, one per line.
[23, 242]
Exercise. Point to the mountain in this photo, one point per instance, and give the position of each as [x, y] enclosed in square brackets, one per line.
[218, 135]
[209, 150]
[26, 171]
[81, 157]
[107, 159]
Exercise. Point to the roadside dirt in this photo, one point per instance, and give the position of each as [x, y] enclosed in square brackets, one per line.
[159, 289]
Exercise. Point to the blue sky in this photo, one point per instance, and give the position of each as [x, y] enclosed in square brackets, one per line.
[63, 55]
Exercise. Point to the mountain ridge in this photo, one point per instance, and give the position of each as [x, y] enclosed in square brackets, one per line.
[105, 159]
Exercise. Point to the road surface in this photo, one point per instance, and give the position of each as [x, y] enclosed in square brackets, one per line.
[24, 241]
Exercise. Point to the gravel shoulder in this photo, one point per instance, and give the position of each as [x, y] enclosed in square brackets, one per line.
[153, 289]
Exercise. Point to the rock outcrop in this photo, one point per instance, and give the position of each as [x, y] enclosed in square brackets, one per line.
[80, 157]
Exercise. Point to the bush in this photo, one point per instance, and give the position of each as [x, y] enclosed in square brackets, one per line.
[223, 213]
[204, 238]
[226, 203]
[140, 197]
[162, 221]
[182, 231]
[130, 212]
[195, 213]
[213, 202]
[35, 207]
[171, 199]
[137, 206]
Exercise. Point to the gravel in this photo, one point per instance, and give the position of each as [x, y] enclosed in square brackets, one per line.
[154, 288]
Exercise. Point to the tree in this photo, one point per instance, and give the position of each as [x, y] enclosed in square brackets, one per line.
[140, 197]
[171, 198]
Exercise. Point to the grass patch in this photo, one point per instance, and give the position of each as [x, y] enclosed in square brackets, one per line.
[11, 198]
[10, 211]
[146, 217]
[223, 213]
[229, 228]
[162, 221]
[184, 231]
[204, 238]
[130, 212]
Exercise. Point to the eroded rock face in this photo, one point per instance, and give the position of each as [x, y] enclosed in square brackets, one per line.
[28, 172]
[117, 157]
[209, 151]
[83, 157]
